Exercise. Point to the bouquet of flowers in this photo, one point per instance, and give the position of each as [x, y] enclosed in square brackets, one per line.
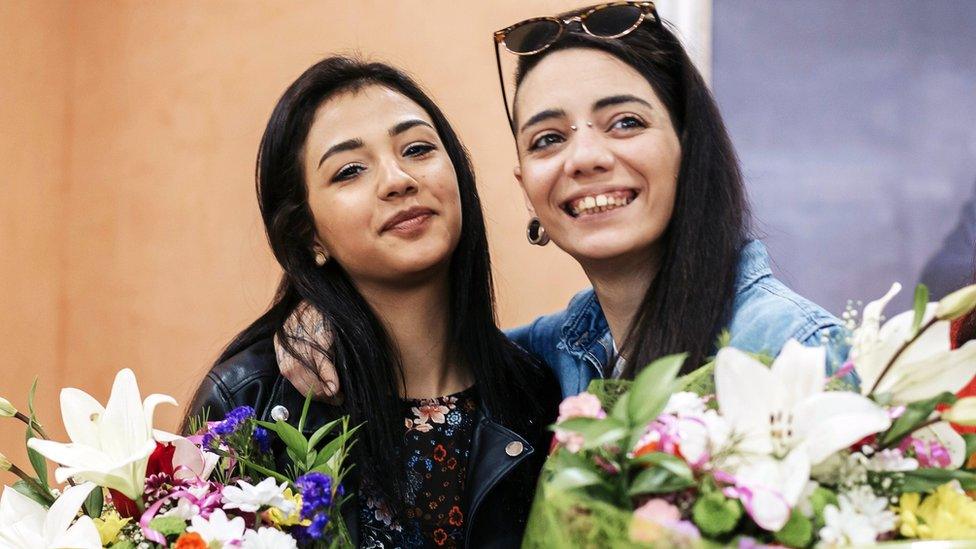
[131, 486]
[754, 451]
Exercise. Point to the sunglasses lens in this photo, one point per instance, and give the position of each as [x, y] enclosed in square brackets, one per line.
[612, 20]
[532, 36]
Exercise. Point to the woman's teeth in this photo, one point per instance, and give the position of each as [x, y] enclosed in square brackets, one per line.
[598, 203]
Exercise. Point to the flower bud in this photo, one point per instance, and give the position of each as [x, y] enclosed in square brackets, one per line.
[6, 408]
[4, 463]
[957, 304]
[963, 412]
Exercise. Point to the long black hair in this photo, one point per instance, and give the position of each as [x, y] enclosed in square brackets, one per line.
[369, 367]
[690, 299]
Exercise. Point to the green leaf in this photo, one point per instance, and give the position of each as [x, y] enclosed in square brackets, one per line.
[700, 381]
[970, 439]
[264, 470]
[288, 434]
[124, 544]
[168, 526]
[652, 388]
[619, 411]
[24, 488]
[921, 300]
[596, 432]
[30, 397]
[37, 460]
[334, 445]
[915, 414]
[671, 463]
[657, 480]
[927, 480]
[321, 432]
[572, 478]
[94, 502]
[304, 416]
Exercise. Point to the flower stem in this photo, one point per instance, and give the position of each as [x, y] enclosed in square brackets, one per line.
[33, 425]
[37, 487]
[901, 350]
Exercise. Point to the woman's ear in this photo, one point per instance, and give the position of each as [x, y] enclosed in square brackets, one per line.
[517, 171]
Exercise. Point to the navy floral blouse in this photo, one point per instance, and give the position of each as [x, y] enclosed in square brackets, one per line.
[437, 440]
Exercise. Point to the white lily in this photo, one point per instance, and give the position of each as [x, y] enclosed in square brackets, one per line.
[923, 370]
[26, 524]
[783, 423]
[110, 445]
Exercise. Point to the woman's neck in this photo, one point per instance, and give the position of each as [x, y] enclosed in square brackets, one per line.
[620, 285]
[416, 318]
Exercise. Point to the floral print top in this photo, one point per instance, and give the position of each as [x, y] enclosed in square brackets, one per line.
[437, 440]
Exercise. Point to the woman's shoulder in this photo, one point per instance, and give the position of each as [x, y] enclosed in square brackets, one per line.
[244, 379]
[766, 312]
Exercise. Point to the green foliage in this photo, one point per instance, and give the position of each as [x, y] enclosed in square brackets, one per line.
[914, 416]
[927, 480]
[95, 502]
[37, 460]
[970, 439]
[609, 391]
[34, 492]
[820, 499]
[654, 384]
[700, 381]
[715, 515]
[798, 531]
[168, 526]
[658, 480]
[596, 432]
[921, 300]
[124, 544]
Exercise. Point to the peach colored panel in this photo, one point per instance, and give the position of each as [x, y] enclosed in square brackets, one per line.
[129, 229]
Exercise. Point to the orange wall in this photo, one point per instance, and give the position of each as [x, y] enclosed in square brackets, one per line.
[129, 230]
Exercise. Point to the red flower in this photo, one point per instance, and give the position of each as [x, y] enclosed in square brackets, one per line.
[161, 460]
[125, 506]
[440, 536]
[190, 540]
[439, 453]
[455, 517]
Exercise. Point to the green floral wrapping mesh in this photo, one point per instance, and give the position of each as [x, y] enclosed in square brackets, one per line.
[573, 518]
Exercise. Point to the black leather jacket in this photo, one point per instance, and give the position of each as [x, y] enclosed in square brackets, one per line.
[503, 465]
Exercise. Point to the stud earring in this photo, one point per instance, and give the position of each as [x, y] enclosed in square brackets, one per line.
[536, 233]
[589, 124]
[321, 257]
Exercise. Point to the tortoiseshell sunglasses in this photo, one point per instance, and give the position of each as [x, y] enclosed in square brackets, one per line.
[528, 37]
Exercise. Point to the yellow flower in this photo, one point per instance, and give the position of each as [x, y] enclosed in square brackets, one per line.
[278, 517]
[947, 513]
[109, 525]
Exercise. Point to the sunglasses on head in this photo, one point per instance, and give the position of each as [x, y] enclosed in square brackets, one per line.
[531, 36]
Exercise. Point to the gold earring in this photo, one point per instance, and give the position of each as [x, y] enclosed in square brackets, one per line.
[321, 257]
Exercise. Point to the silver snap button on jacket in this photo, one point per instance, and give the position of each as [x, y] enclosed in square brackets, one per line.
[279, 413]
[513, 448]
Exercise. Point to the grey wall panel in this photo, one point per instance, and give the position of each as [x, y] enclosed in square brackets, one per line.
[856, 126]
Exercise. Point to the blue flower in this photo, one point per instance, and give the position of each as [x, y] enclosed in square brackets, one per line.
[316, 491]
[263, 440]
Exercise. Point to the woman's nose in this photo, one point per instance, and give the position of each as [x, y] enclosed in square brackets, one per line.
[588, 154]
[396, 182]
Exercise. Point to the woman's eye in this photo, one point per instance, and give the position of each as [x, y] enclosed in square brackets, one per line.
[418, 149]
[348, 172]
[545, 141]
[628, 123]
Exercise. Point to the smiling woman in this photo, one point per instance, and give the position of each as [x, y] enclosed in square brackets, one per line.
[371, 209]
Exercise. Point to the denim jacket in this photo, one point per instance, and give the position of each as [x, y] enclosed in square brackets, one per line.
[577, 344]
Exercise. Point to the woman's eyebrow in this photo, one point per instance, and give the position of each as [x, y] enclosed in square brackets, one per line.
[617, 100]
[347, 145]
[542, 115]
[406, 125]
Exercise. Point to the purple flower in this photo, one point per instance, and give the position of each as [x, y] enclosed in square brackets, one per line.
[316, 491]
[316, 530]
[261, 437]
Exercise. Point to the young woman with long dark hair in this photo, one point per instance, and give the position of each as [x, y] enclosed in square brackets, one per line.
[626, 165]
[370, 206]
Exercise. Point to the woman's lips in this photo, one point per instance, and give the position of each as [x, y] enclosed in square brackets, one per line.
[408, 221]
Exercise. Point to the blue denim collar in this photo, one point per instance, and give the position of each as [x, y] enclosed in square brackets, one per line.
[585, 333]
